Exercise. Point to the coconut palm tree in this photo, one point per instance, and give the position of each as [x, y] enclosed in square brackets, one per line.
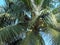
[24, 19]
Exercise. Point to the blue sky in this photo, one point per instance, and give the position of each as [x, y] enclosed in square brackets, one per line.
[2, 3]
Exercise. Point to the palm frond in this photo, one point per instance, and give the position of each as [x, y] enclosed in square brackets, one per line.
[32, 39]
[52, 22]
[56, 10]
[27, 3]
[58, 17]
[11, 33]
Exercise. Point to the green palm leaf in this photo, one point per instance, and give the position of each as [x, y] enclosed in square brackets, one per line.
[56, 10]
[37, 2]
[52, 22]
[58, 17]
[32, 39]
[10, 33]
[27, 3]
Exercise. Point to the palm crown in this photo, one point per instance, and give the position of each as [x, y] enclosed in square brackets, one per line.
[22, 21]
